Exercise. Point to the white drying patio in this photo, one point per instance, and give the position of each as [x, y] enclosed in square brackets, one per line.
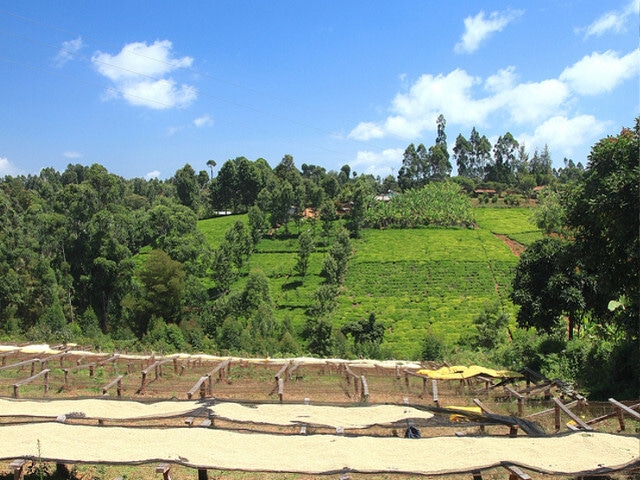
[574, 454]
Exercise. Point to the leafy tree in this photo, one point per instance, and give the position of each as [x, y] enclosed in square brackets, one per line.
[358, 211]
[462, 152]
[249, 182]
[318, 332]
[223, 272]
[549, 283]
[480, 155]
[161, 292]
[305, 249]
[504, 155]
[551, 216]
[408, 174]
[257, 224]
[491, 328]
[365, 332]
[224, 193]
[280, 207]
[604, 219]
[257, 292]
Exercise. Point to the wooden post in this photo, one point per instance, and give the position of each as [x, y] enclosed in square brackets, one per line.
[556, 412]
[203, 389]
[365, 389]
[434, 387]
[515, 473]
[202, 474]
[175, 365]
[18, 468]
[520, 398]
[581, 424]
[165, 470]
[280, 389]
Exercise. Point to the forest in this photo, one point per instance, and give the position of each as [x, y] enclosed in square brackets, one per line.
[87, 256]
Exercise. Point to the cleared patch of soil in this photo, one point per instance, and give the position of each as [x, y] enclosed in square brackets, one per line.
[515, 247]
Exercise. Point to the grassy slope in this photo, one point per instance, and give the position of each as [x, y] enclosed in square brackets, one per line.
[412, 279]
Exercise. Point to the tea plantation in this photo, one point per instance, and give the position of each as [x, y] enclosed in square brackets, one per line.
[412, 279]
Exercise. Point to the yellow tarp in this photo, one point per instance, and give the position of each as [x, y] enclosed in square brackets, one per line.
[460, 372]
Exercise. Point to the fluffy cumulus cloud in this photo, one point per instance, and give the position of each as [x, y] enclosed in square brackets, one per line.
[467, 101]
[139, 75]
[479, 28]
[380, 164]
[69, 50]
[601, 72]
[614, 21]
[7, 168]
[153, 174]
[563, 135]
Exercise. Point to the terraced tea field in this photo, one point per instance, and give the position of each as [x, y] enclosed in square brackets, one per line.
[413, 280]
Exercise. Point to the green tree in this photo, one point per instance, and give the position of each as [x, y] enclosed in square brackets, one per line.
[223, 273]
[318, 332]
[604, 218]
[550, 284]
[358, 211]
[305, 249]
[187, 187]
[161, 282]
[504, 157]
[367, 334]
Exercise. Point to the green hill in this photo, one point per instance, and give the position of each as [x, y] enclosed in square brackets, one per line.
[413, 280]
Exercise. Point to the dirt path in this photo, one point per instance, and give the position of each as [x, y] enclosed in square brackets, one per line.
[515, 247]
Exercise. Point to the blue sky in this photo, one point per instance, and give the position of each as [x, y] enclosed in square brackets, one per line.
[145, 87]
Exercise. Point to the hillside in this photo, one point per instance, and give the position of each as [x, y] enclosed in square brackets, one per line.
[412, 280]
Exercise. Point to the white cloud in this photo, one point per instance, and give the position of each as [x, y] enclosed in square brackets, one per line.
[366, 131]
[203, 121]
[601, 72]
[71, 154]
[479, 28]
[7, 168]
[138, 72]
[382, 163]
[158, 94]
[153, 174]
[69, 49]
[564, 135]
[533, 101]
[613, 21]
[458, 97]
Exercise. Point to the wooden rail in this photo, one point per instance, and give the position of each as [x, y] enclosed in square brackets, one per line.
[90, 366]
[201, 385]
[31, 362]
[622, 409]
[559, 406]
[45, 373]
[117, 381]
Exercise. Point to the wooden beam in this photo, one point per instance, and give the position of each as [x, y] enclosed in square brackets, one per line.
[44, 373]
[515, 473]
[571, 415]
[117, 381]
[20, 364]
[197, 386]
[625, 409]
